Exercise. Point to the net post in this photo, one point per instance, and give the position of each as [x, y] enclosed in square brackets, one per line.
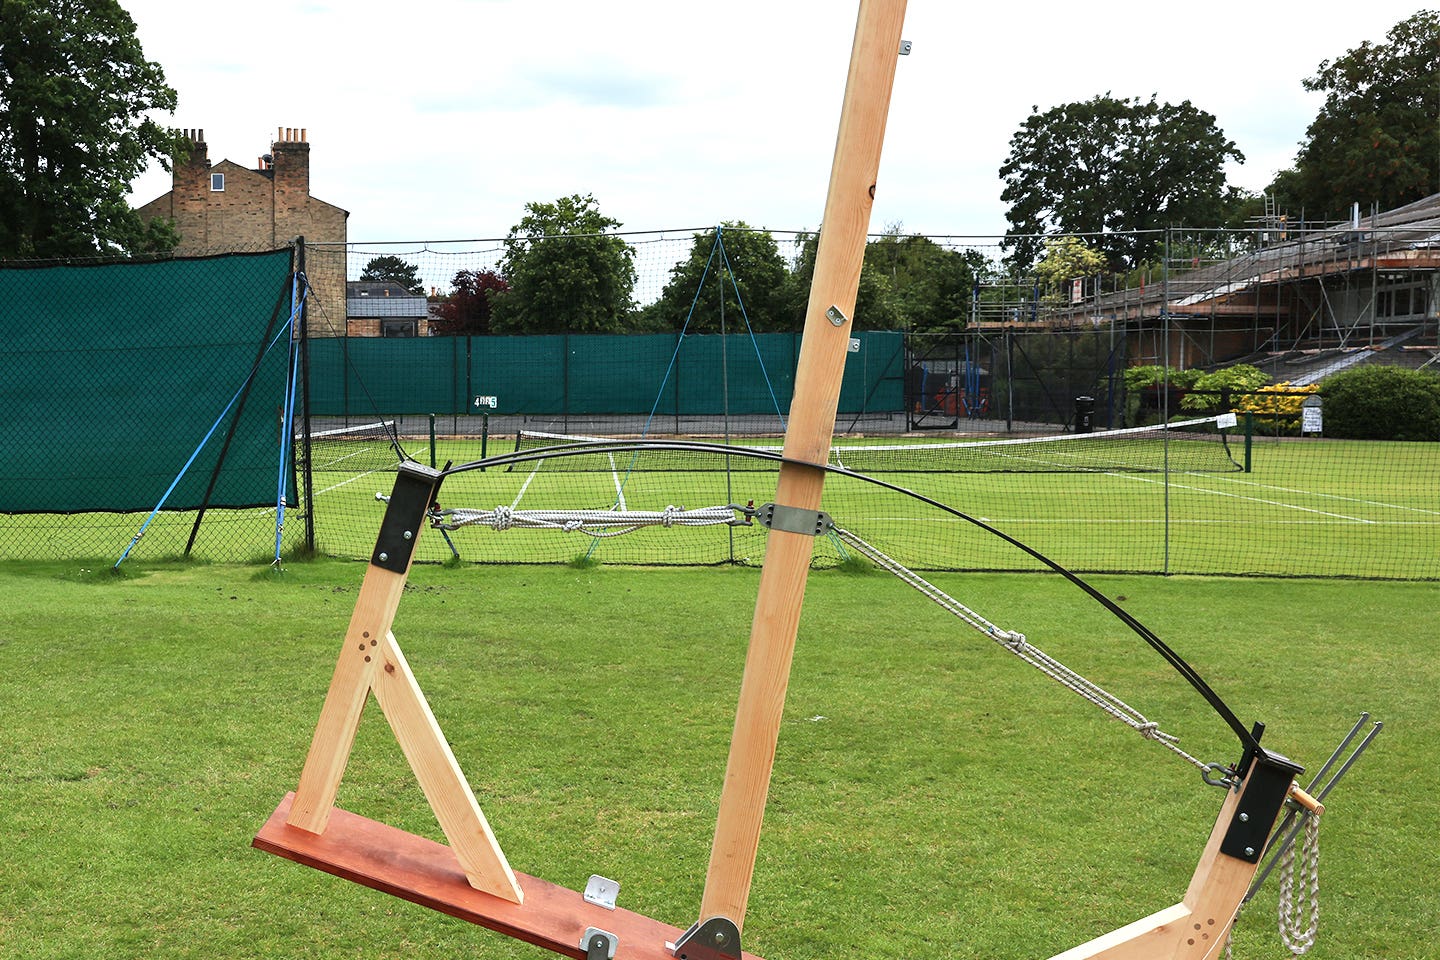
[1249, 436]
[432, 442]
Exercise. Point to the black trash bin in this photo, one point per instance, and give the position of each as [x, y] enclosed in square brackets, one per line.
[1084, 414]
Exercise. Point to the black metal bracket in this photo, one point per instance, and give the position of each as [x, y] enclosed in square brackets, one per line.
[716, 939]
[1263, 793]
[599, 945]
[415, 488]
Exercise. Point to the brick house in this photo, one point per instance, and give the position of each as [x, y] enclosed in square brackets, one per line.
[385, 309]
[227, 208]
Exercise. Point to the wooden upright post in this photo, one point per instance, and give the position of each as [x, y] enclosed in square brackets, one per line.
[808, 438]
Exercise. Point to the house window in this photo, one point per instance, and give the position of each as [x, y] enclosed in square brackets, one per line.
[217, 183]
[398, 328]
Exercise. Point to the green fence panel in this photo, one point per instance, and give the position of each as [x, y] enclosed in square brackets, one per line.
[114, 373]
[592, 374]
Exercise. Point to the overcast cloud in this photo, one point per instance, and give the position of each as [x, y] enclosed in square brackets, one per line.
[441, 119]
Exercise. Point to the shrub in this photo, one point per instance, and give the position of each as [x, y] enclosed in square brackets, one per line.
[1276, 408]
[1240, 378]
[1382, 403]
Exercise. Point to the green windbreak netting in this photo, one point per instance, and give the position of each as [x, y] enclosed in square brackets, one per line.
[113, 374]
[589, 374]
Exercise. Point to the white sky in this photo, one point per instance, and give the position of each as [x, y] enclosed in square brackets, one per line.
[441, 119]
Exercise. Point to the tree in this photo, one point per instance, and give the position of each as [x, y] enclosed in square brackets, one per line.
[1065, 259]
[929, 287]
[76, 95]
[1113, 167]
[706, 281]
[389, 269]
[874, 309]
[1374, 139]
[566, 273]
[470, 305]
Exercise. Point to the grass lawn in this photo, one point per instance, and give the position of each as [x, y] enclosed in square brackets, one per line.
[932, 797]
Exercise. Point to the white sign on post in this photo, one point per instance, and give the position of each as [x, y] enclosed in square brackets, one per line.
[1311, 420]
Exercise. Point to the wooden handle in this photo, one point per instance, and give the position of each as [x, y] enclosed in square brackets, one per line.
[1305, 800]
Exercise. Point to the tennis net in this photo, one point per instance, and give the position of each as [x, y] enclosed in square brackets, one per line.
[1200, 445]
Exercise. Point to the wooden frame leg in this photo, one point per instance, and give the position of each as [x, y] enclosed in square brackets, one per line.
[1198, 927]
[371, 661]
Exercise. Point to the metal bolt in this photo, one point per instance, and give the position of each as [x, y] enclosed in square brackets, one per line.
[719, 938]
[1244, 818]
[384, 557]
[1249, 851]
[408, 534]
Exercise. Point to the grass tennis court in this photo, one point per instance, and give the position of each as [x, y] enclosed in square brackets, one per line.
[1308, 507]
[933, 797]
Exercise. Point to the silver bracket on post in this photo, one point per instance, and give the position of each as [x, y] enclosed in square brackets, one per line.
[835, 315]
[904, 48]
[774, 516]
[601, 891]
[716, 939]
[598, 944]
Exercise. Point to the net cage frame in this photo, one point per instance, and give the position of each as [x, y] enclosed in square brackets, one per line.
[1259, 786]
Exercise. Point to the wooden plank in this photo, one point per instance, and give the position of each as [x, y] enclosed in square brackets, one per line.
[427, 873]
[349, 688]
[807, 438]
[440, 777]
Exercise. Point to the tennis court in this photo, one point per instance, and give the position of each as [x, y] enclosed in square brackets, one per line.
[1307, 507]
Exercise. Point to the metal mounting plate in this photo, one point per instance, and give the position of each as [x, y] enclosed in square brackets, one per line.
[775, 516]
[415, 487]
[1265, 790]
[716, 939]
[602, 891]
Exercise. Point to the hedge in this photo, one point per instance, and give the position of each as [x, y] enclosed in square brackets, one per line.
[1382, 403]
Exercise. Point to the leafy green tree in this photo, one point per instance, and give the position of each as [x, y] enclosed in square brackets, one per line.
[1065, 259]
[76, 98]
[874, 308]
[745, 259]
[566, 272]
[391, 269]
[930, 287]
[1374, 140]
[1112, 167]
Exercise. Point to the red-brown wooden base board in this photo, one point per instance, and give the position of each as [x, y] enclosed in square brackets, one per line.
[425, 872]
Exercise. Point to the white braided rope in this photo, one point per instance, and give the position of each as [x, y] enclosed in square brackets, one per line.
[1295, 930]
[1020, 647]
[593, 523]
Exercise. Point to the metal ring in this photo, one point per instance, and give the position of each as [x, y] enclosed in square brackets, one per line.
[1228, 780]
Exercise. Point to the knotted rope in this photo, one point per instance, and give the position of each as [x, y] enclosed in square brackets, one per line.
[1017, 644]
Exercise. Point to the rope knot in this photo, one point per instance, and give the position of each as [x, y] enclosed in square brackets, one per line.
[671, 516]
[1150, 730]
[503, 519]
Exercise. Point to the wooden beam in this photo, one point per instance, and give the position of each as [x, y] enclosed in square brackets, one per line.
[821, 364]
[427, 873]
[371, 661]
[1198, 927]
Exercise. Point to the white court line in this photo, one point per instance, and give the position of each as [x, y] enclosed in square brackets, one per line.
[619, 487]
[1331, 496]
[342, 483]
[526, 485]
[1236, 496]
